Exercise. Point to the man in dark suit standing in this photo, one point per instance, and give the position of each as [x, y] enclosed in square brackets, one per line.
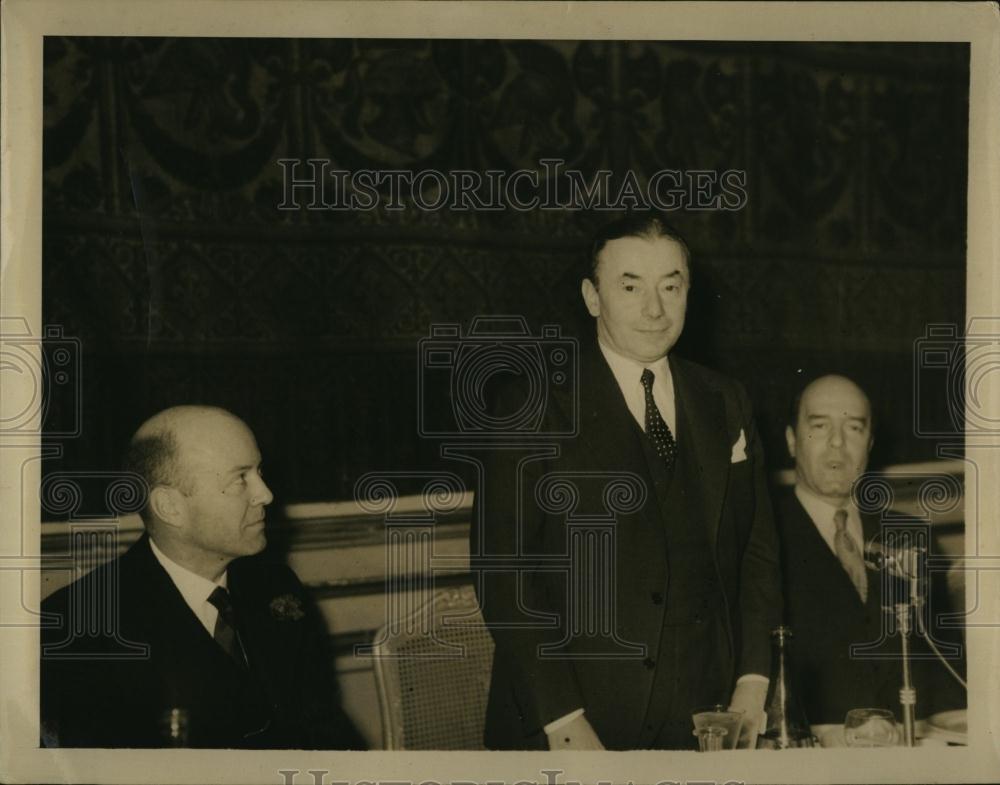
[187, 639]
[670, 606]
[831, 601]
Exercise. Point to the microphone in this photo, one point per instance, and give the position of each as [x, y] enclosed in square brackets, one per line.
[902, 561]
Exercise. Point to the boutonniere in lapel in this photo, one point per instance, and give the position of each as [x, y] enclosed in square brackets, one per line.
[287, 607]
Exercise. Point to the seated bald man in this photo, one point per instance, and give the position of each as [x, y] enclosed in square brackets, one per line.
[201, 644]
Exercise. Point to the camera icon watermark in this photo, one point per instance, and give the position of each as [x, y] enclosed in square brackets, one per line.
[961, 366]
[472, 366]
[35, 370]
[907, 562]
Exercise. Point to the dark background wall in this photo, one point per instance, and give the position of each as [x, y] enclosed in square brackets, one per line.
[166, 256]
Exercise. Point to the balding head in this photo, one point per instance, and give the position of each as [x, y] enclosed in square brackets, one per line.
[158, 451]
[206, 490]
[830, 437]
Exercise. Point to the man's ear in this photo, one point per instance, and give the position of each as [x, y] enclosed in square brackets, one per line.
[167, 505]
[790, 440]
[590, 297]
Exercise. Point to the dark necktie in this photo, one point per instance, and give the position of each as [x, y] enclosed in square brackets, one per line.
[225, 633]
[849, 555]
[656, 429]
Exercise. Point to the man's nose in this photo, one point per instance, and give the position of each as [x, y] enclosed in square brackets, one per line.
[262, 494]
[652, 306]
[836, 437]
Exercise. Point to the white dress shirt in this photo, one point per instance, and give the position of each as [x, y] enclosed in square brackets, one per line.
[628, 374]
[821, 513]
[193, 588]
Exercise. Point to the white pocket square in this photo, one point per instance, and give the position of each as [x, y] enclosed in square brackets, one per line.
[739, 449]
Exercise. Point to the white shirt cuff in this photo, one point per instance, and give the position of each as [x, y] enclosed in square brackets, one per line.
[749, 677]
[555, 725]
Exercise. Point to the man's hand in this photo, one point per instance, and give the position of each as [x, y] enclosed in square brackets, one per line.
[575, 735]
[749, 696]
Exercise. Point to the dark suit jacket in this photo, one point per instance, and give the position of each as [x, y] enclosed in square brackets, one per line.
[110, 684]
[827, 617]
[527, 692]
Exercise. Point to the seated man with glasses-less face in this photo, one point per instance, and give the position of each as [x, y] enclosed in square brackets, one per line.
[832, 601]
[188, 639]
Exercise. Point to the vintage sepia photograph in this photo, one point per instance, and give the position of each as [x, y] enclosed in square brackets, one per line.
[502, 381]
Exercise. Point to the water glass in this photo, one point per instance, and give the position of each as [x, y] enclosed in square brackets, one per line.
[870, 728]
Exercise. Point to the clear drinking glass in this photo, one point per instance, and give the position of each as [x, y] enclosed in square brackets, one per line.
[870, 728]
[710, 738]
[717, 727]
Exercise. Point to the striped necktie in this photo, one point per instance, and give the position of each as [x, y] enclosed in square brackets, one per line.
[850, 557]
[226, 634]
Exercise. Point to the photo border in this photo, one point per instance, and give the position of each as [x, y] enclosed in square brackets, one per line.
[24, 25]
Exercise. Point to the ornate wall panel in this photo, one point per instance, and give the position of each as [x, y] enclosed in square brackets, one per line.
[165, 253]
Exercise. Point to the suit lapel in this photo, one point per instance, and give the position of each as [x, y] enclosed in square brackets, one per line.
[183, 651]
[269, 642]
[606, 416]
[609, 435]
[702, 416]
[165, 607]
[822, 553]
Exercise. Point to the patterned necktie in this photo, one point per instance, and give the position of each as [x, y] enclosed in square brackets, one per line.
[656, 429]
[849, 555]
[225, 633]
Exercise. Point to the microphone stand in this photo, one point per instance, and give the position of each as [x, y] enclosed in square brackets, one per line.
[907, 693]
[910, 570]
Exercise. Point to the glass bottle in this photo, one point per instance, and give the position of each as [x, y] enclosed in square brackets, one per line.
[787, 726]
